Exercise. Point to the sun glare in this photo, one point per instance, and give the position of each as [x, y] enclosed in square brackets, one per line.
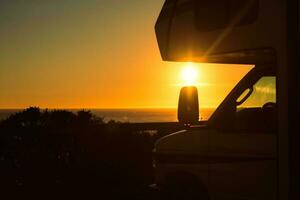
[189, 74]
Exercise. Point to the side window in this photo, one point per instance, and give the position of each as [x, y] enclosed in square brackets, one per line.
[264, 91]
[256, 107]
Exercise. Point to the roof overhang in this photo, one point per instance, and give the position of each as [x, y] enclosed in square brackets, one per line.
[257, 41]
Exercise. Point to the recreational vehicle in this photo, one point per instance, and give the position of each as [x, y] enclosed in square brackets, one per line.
[242, 151]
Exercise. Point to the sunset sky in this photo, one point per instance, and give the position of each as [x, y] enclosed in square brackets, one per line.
[94, 54]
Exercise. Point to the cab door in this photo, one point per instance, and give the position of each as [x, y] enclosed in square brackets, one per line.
[244, 154]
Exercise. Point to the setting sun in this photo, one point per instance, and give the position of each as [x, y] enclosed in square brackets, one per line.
[190, 74]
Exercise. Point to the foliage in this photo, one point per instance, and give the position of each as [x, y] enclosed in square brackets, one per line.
[63, 151]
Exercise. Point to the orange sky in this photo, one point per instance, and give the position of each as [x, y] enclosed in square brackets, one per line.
[94, 54]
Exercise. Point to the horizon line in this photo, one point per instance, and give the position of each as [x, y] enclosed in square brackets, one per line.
[94, 108]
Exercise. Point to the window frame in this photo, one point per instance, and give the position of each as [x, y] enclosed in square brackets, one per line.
[224, 114]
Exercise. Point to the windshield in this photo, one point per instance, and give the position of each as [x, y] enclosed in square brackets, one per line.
[214, 84]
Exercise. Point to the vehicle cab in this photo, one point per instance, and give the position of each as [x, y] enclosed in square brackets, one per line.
[233, 155]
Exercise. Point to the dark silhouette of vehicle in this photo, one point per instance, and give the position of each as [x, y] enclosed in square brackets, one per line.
[242, 151]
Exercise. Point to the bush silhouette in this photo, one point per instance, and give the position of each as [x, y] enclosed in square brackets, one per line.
[58, 149]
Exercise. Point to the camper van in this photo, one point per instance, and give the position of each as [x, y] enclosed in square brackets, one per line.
[242, 151]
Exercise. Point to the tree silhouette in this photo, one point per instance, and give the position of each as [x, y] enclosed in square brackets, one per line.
[54, 149]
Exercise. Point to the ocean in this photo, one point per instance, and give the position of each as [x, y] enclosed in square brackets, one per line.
[129, 115]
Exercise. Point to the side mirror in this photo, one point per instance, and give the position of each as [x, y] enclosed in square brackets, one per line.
[188, 106]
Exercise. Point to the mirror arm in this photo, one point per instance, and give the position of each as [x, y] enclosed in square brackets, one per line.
[245, 98]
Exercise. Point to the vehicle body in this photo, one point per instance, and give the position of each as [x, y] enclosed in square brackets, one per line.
[242, 151]
[231, 156]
